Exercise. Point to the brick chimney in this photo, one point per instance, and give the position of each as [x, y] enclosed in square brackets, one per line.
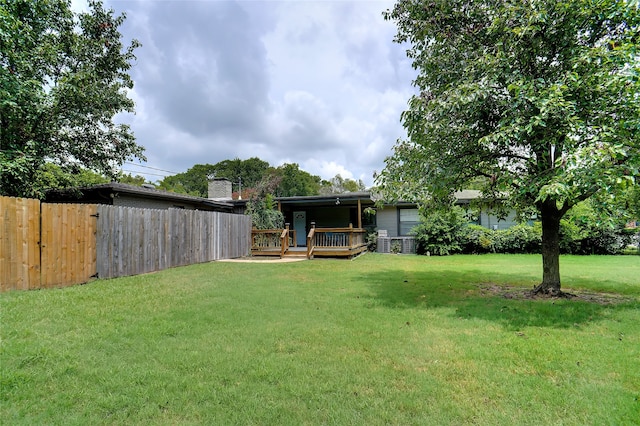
[219, 189]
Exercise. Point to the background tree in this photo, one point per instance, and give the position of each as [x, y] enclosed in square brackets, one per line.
[195, 180]
[539, 97]
[63, 77]
[53, 176]
[340, 185]
[295, 182]
[130, 179]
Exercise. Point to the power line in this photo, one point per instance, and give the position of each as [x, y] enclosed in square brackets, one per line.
[149, 167]
[146, 173]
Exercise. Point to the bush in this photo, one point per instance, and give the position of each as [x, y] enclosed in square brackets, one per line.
[441, 233]
[521, 238]
[593, 238]
[587, 229]
[478, 239]
[570, 236]
[372, 241]
[264, 214]
[602, 240]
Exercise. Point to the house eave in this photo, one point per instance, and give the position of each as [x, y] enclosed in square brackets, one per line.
[108, 190]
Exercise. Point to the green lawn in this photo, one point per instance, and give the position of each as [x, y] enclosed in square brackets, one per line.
[380, 340]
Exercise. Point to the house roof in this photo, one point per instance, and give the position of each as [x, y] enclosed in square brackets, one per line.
[366, 198]
[347, 198]
[467, 195]
[104, 191]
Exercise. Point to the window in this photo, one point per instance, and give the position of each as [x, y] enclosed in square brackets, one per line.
[407, 219]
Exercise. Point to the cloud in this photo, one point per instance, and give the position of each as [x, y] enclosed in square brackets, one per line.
[312, 82]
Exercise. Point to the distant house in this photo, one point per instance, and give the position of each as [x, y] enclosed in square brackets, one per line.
[353, 208]
[357, 210]
[340, 210]
[398, 219]
[120, 194]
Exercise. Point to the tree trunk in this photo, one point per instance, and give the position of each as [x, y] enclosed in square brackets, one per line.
[550, 216]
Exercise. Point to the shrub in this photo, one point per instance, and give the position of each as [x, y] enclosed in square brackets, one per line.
[441, 232]
[603, 240]
[521, 238]
[264, 214]
[372, 241]
[477, 239]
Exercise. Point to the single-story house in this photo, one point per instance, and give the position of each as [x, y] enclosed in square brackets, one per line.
[355, 208]
[120, 194]
[327, 211]
[398, 219]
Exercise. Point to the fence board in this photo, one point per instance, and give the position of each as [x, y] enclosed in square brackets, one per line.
[19, 244]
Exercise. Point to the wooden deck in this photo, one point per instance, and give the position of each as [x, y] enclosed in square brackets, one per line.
[321, 242]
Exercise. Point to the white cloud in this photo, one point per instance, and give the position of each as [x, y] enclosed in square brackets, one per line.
[318, 83]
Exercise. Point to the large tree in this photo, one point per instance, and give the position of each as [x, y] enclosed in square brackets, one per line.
[63, 78]
[294, 181]
[539, 97]
[245, 173]
[340, 185]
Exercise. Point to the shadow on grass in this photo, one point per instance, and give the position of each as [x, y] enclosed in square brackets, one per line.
[472, 295]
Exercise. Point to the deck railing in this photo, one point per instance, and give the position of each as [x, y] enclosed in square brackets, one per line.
[320, 241]
[272, 242]
[284, 241]
[336, 241]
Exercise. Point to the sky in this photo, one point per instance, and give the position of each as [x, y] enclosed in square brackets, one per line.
[318, 83]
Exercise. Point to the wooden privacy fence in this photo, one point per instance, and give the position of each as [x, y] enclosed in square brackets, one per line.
[46, 245]
[134, 241]
[52, 245]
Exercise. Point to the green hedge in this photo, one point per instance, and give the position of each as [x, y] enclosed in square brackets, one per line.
[449, 233]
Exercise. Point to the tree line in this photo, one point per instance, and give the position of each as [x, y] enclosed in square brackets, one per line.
[252, 175]
[249, 178]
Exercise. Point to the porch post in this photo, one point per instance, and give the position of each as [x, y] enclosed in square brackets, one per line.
[359, 214]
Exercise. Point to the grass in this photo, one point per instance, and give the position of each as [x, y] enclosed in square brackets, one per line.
[378, 340]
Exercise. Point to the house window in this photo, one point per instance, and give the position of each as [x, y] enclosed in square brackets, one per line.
[369, 218]
[407, 220]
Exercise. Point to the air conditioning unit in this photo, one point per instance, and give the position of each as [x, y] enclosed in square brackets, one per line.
[406, 245]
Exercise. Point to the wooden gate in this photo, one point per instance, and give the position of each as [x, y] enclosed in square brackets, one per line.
[68, 244]
[46, 245]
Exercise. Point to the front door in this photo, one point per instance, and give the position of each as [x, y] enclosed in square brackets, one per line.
[300, 225]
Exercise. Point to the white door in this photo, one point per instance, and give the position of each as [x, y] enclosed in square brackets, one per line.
[300, 225]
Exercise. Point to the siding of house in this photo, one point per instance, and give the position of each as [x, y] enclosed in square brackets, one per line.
[490, 221]
[387, 219]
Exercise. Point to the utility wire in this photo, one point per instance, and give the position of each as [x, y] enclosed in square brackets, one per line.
[146, 173]
[149, 167]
